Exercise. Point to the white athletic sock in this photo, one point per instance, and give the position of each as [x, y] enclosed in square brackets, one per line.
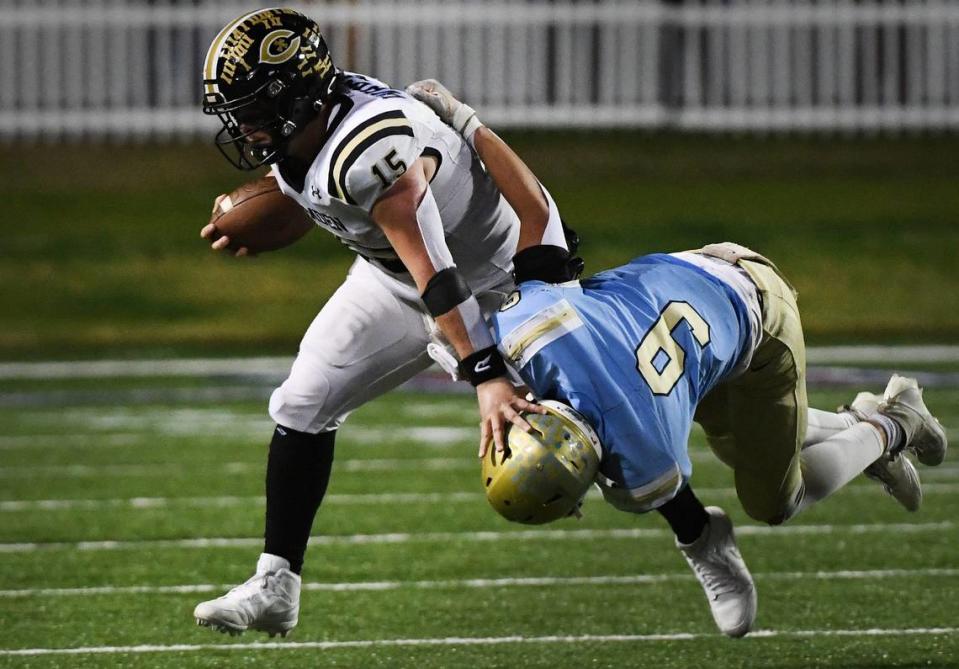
[834, 462]
[892, 429]
[821, 425]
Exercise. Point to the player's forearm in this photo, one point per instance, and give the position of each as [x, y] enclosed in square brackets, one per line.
[409, 217]
[517, 183]
[457, 334]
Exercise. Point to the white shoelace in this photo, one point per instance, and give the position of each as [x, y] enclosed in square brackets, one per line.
[255, 582]
[712, 576]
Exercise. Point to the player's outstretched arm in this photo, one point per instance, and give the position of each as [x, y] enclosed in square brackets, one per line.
[542, 251]
[408, 215]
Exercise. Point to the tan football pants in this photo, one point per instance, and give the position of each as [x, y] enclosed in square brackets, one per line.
[756, 422]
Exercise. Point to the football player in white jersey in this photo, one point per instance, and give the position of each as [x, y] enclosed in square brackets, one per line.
[435, 241]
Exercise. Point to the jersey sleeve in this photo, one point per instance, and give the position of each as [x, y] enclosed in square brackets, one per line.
[553, 235]
[371, 157]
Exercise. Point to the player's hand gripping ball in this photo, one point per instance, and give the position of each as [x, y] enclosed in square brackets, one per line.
[254, 218]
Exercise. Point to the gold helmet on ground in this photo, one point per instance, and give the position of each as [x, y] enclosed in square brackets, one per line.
[543, 475]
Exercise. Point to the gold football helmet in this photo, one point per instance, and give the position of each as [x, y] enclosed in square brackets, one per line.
[543, 475]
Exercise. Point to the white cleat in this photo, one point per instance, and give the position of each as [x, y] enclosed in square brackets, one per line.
[268, 602]
[864, 405]
[729, 587]
[899, 479]
[903, 402]
[895, 472]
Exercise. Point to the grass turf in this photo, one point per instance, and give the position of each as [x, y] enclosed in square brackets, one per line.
[101, 256]
[101, 453]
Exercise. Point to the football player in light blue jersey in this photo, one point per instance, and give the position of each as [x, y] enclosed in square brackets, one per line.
[642, 351]
[615, 349]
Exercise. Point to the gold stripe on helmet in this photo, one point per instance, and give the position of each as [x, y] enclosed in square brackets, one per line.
[213, 55]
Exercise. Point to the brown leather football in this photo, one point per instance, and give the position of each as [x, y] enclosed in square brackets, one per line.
[260, 217]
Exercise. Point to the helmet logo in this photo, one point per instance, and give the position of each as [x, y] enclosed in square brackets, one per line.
[277, 47]
[511, 300]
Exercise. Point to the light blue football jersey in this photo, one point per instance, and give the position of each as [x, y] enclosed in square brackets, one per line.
[633, 349]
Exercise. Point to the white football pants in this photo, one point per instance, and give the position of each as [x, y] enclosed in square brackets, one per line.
[369, 338]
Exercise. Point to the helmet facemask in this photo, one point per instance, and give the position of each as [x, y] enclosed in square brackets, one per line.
[272, 109]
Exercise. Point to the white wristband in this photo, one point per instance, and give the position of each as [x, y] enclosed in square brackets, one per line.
[466, 122]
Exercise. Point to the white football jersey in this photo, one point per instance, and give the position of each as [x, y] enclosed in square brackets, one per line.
[374, 134]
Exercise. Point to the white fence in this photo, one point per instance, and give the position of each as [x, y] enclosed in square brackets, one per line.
[131, 68]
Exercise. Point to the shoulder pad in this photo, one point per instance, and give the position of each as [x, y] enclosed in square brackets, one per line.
[370, 157]
[366, 85]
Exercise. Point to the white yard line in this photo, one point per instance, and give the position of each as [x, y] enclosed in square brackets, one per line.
[280, 365]
[477, 536]
[388, 498]
[114, 439]
[231, 501]
[447, 584]
[820, 355]
[942, 473]
[433, 436]
[100, 369]
[474, 641]
[167, 468]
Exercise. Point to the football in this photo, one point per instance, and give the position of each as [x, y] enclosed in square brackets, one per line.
[260, 217]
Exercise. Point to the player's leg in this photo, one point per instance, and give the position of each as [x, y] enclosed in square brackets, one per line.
[837, 455]
[713, 415]
[775, 476]
[927, 439]
[902, 397]
[705, 537]
[893, 471]
[365, 341]
[820, 425]
[767, 409]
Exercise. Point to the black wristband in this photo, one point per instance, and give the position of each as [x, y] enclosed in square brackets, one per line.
[483, 365]
[446, 290]
[545, 262]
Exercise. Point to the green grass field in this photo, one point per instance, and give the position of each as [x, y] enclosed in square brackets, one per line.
[123, 502]
[100, 254]
[109, 513]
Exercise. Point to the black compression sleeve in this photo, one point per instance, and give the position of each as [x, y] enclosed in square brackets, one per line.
[297, 473]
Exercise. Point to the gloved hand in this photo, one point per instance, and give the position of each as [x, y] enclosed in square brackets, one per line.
[458, 115]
